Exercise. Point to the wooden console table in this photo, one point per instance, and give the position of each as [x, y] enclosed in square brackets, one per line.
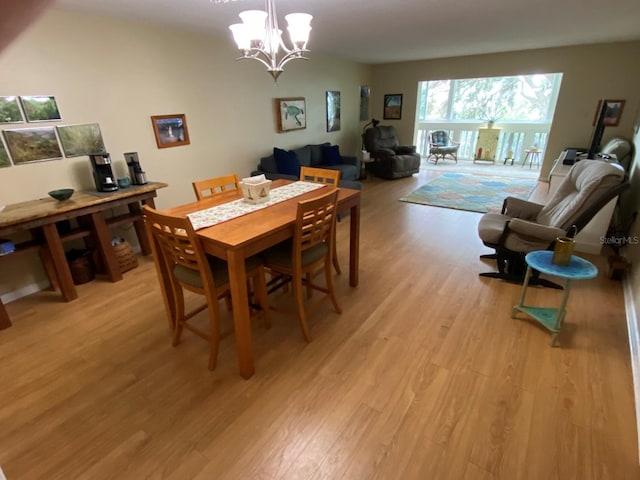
[39, 218]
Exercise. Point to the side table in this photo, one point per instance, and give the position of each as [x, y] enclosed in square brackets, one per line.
[552, 318]
[363, 168]
[533, 155]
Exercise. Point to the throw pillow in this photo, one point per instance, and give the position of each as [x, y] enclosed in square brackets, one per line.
[287, 162]
[331, 155]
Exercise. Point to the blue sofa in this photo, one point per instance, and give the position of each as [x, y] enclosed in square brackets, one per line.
[322, 155]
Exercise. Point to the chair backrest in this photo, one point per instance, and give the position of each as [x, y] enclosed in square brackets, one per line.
[315, 223]
[383, 136]
[215, 186]
[622, 149]
[439, 138]
[589, 186]
[320, 175]
[177, 245]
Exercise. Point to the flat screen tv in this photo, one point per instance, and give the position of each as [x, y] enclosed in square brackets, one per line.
[598, 131]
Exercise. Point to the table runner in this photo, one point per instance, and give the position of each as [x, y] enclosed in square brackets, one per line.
[227, 211]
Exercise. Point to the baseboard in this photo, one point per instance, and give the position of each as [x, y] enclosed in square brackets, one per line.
[634, 347]
[23, 292]
[36, 287]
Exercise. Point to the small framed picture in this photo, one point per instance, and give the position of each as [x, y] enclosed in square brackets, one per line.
[291, 113]
[40, 108]
[613, 112]
[333, 111]
[170, 130]
[10, 110]
[4, 156]
[32, 144]
[365, 93]
[82, 139]
[393, 106]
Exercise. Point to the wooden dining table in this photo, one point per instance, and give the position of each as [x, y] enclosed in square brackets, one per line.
[238, 238]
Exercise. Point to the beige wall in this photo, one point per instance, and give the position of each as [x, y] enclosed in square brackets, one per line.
[590, 73]
[118, 74]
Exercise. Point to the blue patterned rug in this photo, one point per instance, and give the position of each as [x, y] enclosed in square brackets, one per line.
[475, 193]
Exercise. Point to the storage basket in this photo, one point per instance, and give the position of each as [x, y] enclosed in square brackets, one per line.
[125, 256]
[81, 266]
[256, 192]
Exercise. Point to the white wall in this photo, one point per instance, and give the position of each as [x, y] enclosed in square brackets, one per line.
[118, 74]
[591, 72]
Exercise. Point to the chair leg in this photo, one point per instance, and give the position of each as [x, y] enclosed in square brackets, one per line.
[336, 264]
[260, 285]
[179, 315]
[214, 338]
[302, 316]
[329, 280]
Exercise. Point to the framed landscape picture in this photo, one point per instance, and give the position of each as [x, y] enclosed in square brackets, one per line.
[170, 130]
[365, 93]
[333, 111]
[32, 144]
[81, 139]
[291, 113]
[10, 110]
[393, 106]
[40, 108]
[4, 156]
[612, 114]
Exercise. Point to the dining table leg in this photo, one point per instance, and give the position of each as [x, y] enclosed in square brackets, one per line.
[241, 314]
[354, 245]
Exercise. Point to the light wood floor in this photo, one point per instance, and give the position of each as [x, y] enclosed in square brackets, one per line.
[423, 376]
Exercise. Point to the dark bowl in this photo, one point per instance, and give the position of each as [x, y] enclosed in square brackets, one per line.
[62, 194]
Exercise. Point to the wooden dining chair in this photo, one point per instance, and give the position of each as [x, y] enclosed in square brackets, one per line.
[310, 250]
[215, 186]
[328, 177]
[183, 265]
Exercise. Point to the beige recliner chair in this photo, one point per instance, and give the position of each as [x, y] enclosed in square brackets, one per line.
[523, 226]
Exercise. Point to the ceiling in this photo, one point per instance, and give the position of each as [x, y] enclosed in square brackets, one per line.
[383, 31]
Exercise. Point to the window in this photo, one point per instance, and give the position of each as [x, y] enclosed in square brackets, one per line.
[520, 98]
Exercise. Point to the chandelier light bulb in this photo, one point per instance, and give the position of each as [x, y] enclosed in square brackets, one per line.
[258, 37]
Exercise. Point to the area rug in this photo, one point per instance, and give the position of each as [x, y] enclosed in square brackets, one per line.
[475, 193]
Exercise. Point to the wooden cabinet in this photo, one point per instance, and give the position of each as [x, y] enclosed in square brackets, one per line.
[486, 145]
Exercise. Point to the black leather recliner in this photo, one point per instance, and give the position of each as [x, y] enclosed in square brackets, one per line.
[390, 159]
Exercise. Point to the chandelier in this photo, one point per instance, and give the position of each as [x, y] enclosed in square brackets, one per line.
[258, 37]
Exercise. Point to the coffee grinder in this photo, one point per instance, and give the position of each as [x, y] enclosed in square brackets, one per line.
[138, 176]
[102, 172]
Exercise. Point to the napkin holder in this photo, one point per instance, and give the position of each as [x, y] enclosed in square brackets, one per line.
[256, 192]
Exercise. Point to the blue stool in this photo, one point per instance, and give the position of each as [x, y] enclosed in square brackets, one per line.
[552, 318]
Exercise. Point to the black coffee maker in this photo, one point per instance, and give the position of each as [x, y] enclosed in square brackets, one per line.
[138, 176]
[102, 172]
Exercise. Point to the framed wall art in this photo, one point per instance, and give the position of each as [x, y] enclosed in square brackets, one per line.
[170, 130]
[32, 144]
[291, 113]
[10, 110]
[392, 106]
[81, 139]
[4, 156]
[333, 111]
[40, 108]
[365, 93]
[612, 114]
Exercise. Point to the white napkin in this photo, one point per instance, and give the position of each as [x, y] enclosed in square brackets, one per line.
[254, 180]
